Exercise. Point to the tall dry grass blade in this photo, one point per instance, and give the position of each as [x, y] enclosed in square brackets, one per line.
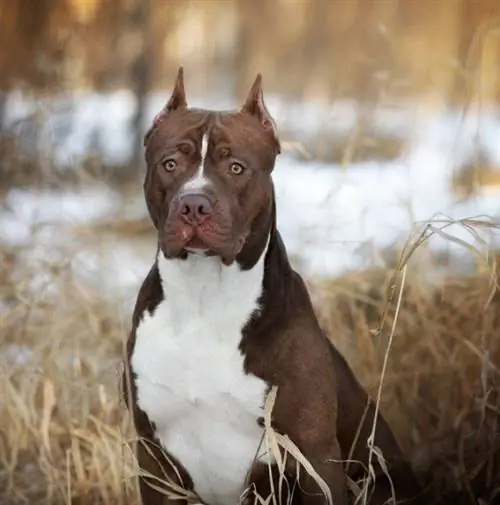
[372, 449]
[68, 478]
[49, 403]
[272, 446]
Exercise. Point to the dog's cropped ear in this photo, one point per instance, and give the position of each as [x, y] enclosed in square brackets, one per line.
[254, 105]
[176, 100]
[178, 97]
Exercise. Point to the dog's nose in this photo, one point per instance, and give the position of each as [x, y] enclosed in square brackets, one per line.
[195, 208]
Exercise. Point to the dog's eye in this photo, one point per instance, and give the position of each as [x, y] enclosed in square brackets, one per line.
[170, 165]
[236, 168]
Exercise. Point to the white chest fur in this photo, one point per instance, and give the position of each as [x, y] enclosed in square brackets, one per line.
[189, 373]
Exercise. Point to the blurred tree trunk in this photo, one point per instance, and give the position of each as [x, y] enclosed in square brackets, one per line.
[242, 50]
[138, 21]
[316, 52]
[223, 64]
[476, 52]
[3, 107]
[255, 39]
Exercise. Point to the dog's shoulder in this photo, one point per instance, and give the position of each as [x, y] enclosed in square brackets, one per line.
[149, 297]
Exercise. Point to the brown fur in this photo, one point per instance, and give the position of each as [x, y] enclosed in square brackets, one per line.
[319, 404]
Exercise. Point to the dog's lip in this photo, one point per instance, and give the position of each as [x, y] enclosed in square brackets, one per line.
[197, 250]
[196, 242]
[196, 245]
[193, 242]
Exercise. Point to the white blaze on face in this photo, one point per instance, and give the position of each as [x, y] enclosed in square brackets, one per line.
[199, 181]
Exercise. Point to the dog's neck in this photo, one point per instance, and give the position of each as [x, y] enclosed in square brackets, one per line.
[261, 272]
[204, 280]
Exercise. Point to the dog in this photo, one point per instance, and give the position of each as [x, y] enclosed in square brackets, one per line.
[222, 319]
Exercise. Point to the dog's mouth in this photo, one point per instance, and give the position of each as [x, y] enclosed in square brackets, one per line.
[196, 241]
[196, 245]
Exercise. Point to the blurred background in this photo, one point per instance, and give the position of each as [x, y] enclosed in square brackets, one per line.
[389, 115]
[388, 109]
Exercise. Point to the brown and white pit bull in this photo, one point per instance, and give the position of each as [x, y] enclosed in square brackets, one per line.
[222, 316]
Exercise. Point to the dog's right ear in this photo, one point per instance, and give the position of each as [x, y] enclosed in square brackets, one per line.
[177, 100]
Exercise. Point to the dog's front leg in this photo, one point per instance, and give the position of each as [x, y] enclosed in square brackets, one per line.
[155, 474]
[158, 471]
[326, 461]
[296, 486]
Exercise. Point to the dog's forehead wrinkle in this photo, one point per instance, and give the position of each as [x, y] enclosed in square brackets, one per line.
[241, 130]
[183, 123]
[199, 180]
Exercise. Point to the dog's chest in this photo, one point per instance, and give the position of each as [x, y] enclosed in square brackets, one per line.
[191, 383]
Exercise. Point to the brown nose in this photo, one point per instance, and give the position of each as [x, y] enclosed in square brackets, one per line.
[195, 208]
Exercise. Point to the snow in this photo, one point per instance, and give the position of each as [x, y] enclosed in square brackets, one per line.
[332, 218]
[24, 209]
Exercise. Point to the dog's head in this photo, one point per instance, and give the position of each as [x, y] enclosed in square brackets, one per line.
[208, 185]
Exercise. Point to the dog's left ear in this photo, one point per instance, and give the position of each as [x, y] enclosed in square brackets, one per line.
[176, 100]
[254, 105]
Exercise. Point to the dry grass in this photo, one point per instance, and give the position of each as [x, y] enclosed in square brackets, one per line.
[65, 432]
[441, 386]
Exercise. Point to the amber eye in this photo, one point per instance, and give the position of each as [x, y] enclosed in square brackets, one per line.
[170, 165]
[236, 168]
